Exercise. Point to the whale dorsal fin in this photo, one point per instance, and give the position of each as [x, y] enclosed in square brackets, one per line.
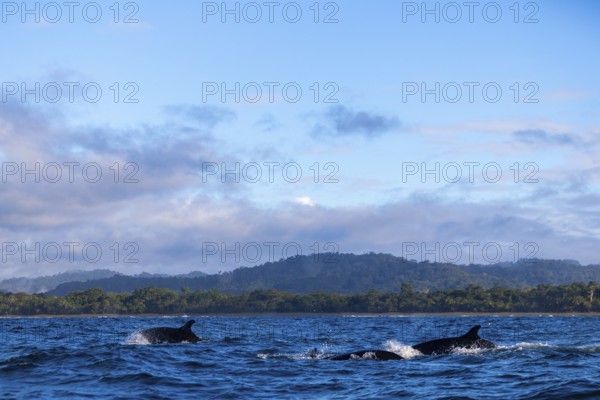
[188, 325]
[473, 332]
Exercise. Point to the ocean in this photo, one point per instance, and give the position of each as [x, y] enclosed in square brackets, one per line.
[269, 357]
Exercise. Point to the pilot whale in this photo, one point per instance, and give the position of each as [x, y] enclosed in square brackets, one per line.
[171, 335]
[470, 340]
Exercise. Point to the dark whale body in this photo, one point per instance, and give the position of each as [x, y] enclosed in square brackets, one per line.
[470, 340]
[368, 354]
[171, 335]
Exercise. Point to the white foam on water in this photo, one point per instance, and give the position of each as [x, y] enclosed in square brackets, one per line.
[266, 356]
[312, 354]
[463, 351]
[592, 347]
[136, 338]
[405, 351]
[524, 345]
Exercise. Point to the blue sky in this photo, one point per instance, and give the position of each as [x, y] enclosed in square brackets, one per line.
[370, 133]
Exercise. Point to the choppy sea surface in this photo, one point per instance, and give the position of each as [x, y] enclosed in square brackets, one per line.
[246, 357]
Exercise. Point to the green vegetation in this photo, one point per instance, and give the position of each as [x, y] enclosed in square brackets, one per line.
[576, 297]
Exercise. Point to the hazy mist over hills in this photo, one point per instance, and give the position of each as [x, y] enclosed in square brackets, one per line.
[44, 284]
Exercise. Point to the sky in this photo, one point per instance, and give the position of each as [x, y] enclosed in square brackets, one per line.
[207, 136]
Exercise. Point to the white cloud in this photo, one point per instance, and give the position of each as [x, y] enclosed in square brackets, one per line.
[305, 201]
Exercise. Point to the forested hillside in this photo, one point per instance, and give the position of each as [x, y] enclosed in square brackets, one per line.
[351, 274]
[543, 298]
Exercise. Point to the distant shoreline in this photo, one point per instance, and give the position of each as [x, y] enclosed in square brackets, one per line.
[296, 314]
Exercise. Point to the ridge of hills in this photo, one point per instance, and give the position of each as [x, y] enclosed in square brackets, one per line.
[351, 274]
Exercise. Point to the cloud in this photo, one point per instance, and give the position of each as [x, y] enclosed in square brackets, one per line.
[342, 121]
[305, 201]
[268, 123]
[173, 231]
[430, 223]
[170, 214]
[538, 136]
[85, 184]
[207, 116]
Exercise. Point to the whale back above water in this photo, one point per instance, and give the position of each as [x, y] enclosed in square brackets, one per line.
[368, 354]
[171, 335]
[470, 340]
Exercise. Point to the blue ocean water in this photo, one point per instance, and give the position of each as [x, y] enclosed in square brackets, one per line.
[246, 357]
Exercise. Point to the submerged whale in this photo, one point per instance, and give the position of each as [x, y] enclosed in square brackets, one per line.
[171, 335]
[470, 340]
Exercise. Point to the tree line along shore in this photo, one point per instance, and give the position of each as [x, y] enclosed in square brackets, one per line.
[575, 297]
